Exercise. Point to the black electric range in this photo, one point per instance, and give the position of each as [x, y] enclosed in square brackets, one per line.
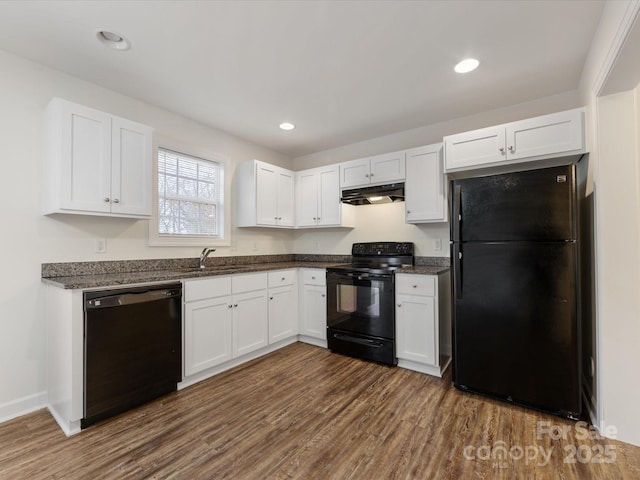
[361, 301]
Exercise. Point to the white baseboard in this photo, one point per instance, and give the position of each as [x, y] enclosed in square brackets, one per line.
[436, 371]
[22, 406]
[312, 341]
[198, 377]
[69, 428]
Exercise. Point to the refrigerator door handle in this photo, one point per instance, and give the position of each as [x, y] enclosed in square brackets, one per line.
[457, 270]
[456, 217]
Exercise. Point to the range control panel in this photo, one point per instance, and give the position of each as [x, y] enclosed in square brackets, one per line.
[382, 248]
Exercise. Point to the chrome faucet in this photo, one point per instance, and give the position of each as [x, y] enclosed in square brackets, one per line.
[203, 256]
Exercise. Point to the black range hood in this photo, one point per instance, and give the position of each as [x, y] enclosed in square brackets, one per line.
[393, 192]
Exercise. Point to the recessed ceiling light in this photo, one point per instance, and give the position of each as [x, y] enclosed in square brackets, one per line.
[287, 126]
[113, 40]
[467, 65]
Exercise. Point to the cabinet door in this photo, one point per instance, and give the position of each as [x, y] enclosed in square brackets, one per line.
[207, 334]
[556, 133]
[355, 173]
[131, 168]
[285, 194]
[85, 159]
[389, 167]
[283, 313]
[266, 194]
[250, 322]
[307, 198]
[416, 329]
[314, 311]
[329, 206]
[425, 185]
[475, 148]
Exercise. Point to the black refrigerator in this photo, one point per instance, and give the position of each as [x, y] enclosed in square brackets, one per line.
[515, 250]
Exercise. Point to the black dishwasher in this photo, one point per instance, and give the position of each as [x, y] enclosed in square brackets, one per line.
[132, 348]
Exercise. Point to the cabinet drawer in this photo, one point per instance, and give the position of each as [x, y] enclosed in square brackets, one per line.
[207, 288]
[416, 285]
[314, 277]
[282, 277]
[248, 282]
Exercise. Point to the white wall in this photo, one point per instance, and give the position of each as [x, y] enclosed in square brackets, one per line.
[384, 222]
[29, 239]
[612, 130]
[433, 133]
[618, 250]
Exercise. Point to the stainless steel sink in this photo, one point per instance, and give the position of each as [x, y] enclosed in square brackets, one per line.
[225, 268]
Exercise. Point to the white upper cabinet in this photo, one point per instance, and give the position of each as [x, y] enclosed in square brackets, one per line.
[318, 197]
[555, 135]
[386, 168]
[265, 195]
[307, 194]
[476, 148]
[95, 163]
[425, 186]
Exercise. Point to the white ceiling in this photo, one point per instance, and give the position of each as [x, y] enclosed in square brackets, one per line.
[342, 71]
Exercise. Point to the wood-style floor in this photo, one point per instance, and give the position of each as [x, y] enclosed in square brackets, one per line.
[305, 413]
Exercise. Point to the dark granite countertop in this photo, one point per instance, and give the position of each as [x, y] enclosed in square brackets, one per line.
[129, 278]
[90, 275]
[424, 270]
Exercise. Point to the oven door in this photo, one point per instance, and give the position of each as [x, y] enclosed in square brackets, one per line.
[361, 303]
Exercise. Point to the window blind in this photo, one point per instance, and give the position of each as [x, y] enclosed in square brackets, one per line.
[188, 195]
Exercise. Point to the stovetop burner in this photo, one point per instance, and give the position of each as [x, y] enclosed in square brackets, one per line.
[378, 257]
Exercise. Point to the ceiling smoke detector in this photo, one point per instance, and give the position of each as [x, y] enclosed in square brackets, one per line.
[113, 40]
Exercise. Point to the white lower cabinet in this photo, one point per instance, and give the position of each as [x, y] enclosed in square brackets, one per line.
[423, 322]
[250, 322]
[208, 320]
[207, 333]
[415, 328]
[225, 317]
[283, 305]
[313, 306]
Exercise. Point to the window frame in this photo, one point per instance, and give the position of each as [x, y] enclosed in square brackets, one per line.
[224, 210]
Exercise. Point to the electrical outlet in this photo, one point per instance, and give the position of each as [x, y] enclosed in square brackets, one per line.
[255, 246]
[100, 245]
[437, 245]
[315, 246]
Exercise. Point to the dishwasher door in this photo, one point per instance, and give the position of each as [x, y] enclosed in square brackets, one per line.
[132, 348]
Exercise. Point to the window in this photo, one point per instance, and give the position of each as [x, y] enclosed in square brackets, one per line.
[190, 199]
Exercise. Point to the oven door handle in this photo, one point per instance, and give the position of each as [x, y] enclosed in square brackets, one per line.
[358, 276]
[362, 341]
